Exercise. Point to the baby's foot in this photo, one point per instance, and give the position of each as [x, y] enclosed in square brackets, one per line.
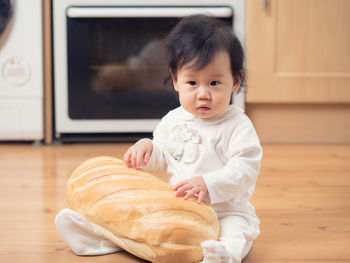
[80, 235]
[214, 252]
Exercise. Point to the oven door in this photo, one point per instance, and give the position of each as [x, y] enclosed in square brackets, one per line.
[117, 63]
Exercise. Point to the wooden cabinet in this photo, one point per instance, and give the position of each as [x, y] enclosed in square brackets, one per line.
[298, 51]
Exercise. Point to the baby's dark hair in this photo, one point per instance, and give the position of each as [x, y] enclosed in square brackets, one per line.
[197, 38]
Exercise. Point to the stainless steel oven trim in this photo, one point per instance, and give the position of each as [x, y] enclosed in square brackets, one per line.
[81, 12]
[63, 124]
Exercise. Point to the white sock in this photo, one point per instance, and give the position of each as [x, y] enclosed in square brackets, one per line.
[214, 252]
[80, 235]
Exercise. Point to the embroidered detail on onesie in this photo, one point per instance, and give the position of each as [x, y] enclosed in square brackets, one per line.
[183, 143]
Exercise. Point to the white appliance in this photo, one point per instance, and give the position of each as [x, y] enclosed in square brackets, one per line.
[97, 44]
[21, 70]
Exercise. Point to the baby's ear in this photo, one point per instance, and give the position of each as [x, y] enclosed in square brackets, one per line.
[174, 79]
[175, 86]
[173, 76]
[237, 82]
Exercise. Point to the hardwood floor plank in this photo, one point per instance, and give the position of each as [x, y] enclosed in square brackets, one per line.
[302, 198]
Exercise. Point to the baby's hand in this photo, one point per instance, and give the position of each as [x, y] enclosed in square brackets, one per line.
[140, 152]
[195, 185]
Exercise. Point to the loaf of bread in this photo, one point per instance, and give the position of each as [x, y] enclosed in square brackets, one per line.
[139, 212]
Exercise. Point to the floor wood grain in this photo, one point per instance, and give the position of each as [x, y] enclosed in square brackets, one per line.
[302, 198]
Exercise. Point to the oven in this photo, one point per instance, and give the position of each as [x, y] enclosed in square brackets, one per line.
[110, 63]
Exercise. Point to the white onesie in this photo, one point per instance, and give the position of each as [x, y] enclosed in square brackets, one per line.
[226, 152]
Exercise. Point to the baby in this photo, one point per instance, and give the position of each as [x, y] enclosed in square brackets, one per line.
[208, 147]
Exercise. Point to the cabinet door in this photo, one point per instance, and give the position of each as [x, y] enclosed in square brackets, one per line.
[298, 51]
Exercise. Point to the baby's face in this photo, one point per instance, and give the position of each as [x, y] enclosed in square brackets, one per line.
[207, 92]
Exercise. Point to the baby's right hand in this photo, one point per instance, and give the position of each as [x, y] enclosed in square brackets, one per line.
[140, 152]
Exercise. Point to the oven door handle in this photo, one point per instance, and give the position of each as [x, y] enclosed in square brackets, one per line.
[96, 12]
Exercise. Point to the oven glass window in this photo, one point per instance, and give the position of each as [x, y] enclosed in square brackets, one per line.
[117, 68]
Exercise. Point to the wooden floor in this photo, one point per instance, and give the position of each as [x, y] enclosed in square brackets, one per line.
[302, 198]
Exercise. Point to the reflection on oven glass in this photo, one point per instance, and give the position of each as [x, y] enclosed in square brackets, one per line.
[143, 71]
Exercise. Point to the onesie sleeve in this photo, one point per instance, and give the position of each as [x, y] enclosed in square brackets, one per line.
[158, 160]
[236, 180]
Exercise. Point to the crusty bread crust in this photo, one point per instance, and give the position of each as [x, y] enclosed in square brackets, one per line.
[139, 212]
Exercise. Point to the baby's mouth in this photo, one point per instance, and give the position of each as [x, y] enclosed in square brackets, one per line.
[203, 108]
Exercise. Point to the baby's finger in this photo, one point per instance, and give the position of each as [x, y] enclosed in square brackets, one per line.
[179, 184]
[133, 159]
[190, 194]
[127, 157]
[201, 196]
[146, 157]
[138, 160]
[182, 189]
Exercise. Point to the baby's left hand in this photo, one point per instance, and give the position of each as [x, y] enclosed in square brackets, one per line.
[195, 185]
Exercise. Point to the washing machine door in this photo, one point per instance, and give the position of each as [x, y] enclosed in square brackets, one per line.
[6, 11]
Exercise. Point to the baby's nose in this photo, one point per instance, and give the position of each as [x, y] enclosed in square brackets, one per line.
[203, 92]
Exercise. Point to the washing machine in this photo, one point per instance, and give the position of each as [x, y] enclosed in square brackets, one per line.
[21, 70]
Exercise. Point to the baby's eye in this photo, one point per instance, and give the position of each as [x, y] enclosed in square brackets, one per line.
[214, 83]
[192, 83]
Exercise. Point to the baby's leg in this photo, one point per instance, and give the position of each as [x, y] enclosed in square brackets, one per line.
[81, 236]
[237, 233]
[236, 237]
